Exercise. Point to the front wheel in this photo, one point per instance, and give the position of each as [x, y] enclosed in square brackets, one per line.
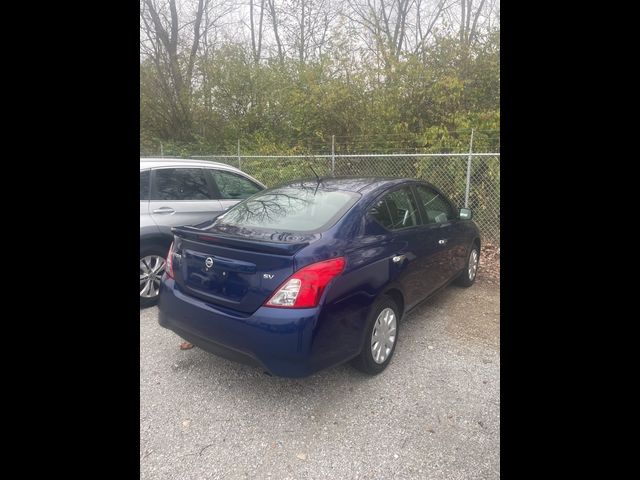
[152, 264]
[380, 338]
[468, 275]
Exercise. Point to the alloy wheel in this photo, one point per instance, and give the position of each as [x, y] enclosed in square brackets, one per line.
[151, 270]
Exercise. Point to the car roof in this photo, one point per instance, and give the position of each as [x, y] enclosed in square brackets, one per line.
[362, 185]
[149, 162]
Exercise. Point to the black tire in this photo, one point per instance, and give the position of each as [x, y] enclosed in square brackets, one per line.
[365, 361]
[466, 278]
[145, 251]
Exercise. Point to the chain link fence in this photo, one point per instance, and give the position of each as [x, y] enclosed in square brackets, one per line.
[453, 173]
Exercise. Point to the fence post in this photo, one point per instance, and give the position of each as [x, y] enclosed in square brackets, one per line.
[161, 150]
[333, 155]
[466, 194]
[239, 160]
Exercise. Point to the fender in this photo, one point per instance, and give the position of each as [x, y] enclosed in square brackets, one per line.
[398, 296]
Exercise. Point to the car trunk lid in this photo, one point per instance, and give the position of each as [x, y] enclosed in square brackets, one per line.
[234, 273]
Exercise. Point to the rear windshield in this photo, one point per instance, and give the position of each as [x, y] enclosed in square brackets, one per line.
[303, 208]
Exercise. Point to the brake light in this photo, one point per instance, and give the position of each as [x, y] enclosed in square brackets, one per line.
[304, 288]
[169, 266]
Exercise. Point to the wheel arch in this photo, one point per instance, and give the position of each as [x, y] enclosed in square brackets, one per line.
[395, 292]
[159, 239]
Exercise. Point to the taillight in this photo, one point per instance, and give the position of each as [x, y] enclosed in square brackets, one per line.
[304, 288]
[169, 266]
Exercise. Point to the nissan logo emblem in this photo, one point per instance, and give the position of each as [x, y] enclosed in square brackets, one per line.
[208, 262]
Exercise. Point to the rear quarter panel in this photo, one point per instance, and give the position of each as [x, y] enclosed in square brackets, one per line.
[339, 331]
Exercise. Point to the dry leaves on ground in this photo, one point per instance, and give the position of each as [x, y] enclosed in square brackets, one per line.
[490, 263]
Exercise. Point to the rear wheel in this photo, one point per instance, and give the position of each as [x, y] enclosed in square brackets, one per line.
[468, 275]
[152, 265]
[380, 338]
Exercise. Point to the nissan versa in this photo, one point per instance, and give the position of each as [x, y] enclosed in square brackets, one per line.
[306, 276]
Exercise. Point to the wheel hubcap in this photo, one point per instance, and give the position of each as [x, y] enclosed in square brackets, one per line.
[151, 270]
[473, 264]
[383, 336]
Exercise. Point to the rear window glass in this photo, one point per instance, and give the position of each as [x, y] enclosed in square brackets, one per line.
[303, 208]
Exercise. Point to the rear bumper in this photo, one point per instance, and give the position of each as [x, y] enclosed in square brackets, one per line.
[277, 340]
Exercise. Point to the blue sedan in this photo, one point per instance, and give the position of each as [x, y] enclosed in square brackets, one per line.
[315, 273]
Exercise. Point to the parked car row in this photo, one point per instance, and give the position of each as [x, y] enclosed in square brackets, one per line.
[301, 277]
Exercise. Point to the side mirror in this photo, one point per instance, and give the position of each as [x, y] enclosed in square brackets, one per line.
[465, 214]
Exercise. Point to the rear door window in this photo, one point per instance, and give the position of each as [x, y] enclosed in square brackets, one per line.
[144, 184]
[181, 184]
[381, 214]
[397, 210]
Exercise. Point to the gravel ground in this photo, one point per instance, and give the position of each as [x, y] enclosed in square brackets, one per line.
[434, 413]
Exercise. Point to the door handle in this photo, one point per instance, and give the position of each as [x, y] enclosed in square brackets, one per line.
[443, 241]
[164, 210]
[398, 258]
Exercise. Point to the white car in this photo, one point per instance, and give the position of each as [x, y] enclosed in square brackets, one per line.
[175, 193]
